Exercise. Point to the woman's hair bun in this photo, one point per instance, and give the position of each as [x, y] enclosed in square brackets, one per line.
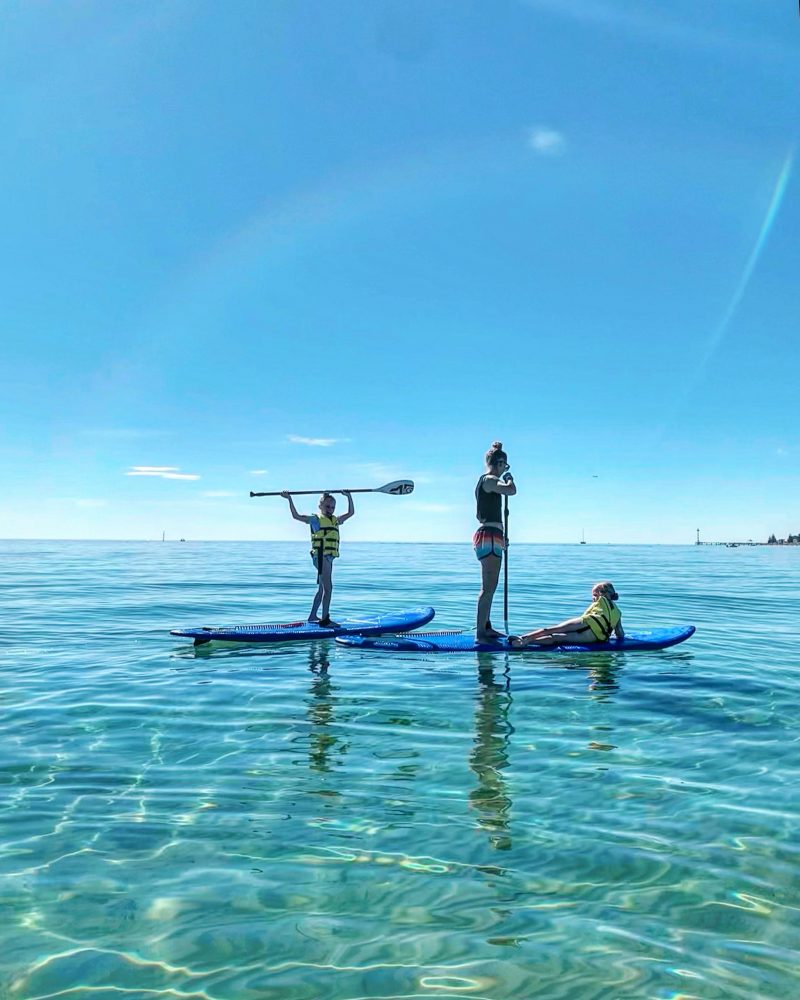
[495, 454]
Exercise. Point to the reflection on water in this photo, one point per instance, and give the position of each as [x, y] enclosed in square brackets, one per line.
[324, 745]
[489, 757]
[604, 670]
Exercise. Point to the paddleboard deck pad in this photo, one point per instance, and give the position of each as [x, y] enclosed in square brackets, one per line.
[464, 642]
[398, 621]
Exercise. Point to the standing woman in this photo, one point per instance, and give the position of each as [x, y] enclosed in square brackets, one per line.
[489, 540]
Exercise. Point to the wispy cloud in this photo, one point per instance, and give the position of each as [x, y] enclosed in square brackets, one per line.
[545, 141]
[315, 442]
[160, 471]
[258, 472]
[151, 470]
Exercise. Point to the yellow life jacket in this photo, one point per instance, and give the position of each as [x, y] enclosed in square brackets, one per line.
[602, 616]
[326, 538]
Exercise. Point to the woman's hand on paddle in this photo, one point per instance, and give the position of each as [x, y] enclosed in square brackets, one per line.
[506, 485]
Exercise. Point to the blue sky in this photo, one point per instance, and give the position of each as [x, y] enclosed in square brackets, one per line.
[265, 245]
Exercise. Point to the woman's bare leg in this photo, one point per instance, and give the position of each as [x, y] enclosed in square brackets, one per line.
[490, 574]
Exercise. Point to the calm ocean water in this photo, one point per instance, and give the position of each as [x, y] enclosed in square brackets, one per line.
[302, 821]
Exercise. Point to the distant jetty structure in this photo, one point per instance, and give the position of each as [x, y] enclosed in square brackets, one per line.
[735, 545]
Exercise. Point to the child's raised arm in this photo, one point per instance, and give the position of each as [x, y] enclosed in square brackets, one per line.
[350, 508]
[305, 518]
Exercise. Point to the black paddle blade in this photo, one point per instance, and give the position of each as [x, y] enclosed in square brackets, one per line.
[401, 489]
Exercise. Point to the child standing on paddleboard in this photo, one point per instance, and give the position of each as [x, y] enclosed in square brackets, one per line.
[489, 541]
[596, 624]
[324, 549]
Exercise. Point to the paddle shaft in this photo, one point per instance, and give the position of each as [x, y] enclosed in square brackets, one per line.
[505, 565]
[308, 493]
[398, 488]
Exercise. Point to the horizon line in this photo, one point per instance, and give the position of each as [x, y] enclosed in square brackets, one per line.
[361, 541]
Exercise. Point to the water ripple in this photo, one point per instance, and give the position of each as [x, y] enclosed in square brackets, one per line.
[299, 821]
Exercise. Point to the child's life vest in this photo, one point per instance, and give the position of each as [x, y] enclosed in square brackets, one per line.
[602, 616]
[325, 536]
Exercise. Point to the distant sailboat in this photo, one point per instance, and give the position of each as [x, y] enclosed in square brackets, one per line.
[583, 540]
[163, 535]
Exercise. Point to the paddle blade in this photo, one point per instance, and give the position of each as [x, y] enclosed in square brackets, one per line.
[399, 488]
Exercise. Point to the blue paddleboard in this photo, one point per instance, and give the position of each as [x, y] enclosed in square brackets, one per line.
[398, 621]
[464, 642]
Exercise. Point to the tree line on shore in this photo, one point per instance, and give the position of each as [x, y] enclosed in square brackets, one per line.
[789, 540]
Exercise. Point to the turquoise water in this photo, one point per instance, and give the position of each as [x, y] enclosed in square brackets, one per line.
[308, 821]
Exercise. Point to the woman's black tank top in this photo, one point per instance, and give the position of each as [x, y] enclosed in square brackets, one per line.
[489, 505]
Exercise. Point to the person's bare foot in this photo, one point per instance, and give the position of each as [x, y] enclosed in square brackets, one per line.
[490, 632]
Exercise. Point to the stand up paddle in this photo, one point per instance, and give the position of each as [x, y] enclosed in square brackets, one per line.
[399, 488]
[505, 565]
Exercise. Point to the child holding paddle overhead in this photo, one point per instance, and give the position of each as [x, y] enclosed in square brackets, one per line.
[324, 549]
[596, 624]
[489, 541]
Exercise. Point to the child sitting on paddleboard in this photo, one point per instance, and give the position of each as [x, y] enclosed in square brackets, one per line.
[324, 549]
[596, 624]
